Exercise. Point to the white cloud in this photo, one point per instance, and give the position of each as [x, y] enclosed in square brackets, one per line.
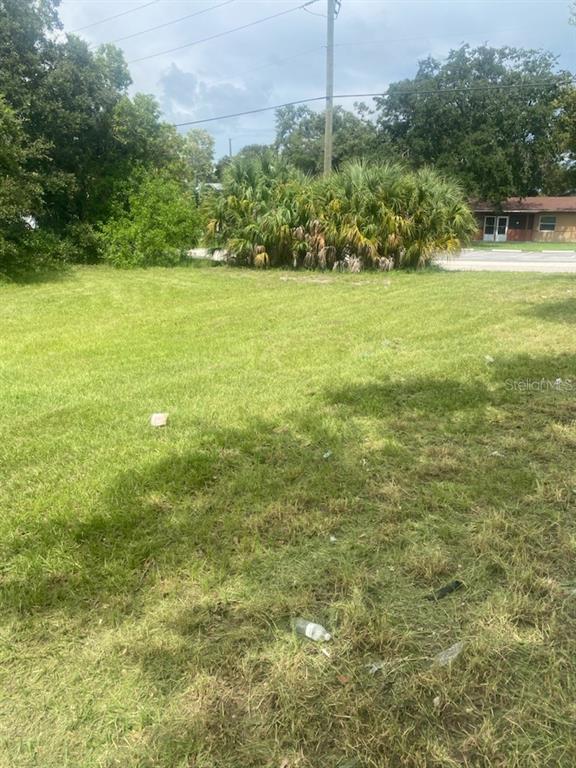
[378, 42]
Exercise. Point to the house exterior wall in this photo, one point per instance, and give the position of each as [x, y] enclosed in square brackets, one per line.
[565, 231]
[526, 226]
[520, 227]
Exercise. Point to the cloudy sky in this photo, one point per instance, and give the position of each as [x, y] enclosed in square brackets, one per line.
[280, 60]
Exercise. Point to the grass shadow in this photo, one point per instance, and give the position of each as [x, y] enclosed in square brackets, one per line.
[266, 482]
[214, 549]
[538, 376]
[57, 274]
[555, 311]
[250, 497]
[426, 395]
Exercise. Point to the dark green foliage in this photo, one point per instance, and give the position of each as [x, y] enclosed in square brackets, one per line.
[20, 191]
[83, 142]
[498, 141]
[159, 225]
[26, 51]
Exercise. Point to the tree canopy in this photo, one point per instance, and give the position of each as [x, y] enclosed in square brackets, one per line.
[498, 120]
[78, 142]
[487, 116]
[300, 136]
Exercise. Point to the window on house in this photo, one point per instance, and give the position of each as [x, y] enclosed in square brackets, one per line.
[547, 223]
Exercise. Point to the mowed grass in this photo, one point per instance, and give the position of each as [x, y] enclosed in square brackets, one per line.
[338, 447]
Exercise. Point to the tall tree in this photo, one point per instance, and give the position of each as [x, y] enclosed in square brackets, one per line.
[198, 156]
[567, 126]
[73, 101]
[26, 50]
[20, 187]
[300, 136]
[487, 116]
[73, 109]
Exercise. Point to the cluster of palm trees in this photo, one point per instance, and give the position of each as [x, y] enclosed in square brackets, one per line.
[363, 216]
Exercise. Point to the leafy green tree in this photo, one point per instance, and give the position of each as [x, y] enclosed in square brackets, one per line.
[254, 150]
[567, 127]
[20, 189]
[26, 48]
[198, 156]
[300, 136]
[74, 110]
[220, 167]
[97, 141]
[157, 226]
[487, 116]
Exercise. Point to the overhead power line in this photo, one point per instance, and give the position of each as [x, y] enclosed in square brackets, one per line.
[225, 32]
[254, 111]
[174, 21]
[279, 62]
[116, 16]
[319, 48]
[488, 87]
[313, 13]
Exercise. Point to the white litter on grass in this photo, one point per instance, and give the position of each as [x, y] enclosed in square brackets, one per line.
[333, 539]
[158, 419]
[327, 455]
[326, 652]
[444, 658]
[489, 358]
[376, 666]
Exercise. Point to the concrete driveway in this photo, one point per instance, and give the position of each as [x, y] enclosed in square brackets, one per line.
[500, 260]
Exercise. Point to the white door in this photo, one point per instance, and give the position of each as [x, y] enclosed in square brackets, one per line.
[501, 229]
[489, 228]
[495, 229]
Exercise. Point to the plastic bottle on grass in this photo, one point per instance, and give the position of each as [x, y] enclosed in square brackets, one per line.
[311, 630]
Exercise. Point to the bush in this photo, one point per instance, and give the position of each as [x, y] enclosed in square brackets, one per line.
[160, 225]
[20, 199]
[360, 217]
[85, 243]
[34, 251]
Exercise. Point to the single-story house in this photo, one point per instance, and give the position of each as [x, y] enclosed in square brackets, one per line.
[518, 219]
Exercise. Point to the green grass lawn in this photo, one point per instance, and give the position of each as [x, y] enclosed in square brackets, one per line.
[148, 577]
[529, 246]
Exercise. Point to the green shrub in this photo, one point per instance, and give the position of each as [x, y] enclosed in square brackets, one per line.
[364, 215]
[33, 252]
[85, 243]
[21, 199]
[160, 225]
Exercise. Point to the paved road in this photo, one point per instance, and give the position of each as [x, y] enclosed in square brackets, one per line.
[478, 261]
[512, 261]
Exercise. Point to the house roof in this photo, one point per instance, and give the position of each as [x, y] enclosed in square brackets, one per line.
[538, 204]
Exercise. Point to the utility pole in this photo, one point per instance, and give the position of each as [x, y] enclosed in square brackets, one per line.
[230, 148]
[331, 15]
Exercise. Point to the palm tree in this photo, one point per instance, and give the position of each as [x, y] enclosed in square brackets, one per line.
[364, 212]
